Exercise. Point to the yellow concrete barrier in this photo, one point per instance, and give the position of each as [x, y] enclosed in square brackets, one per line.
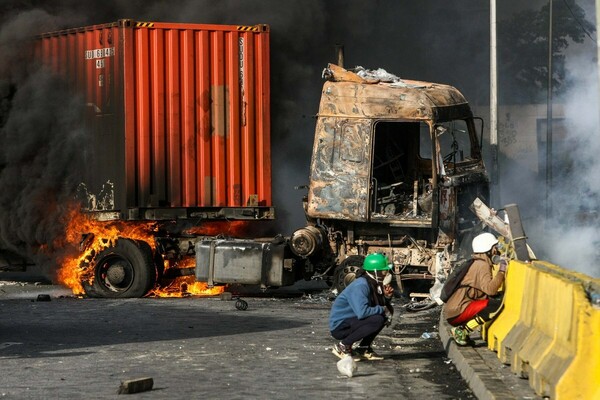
[496, 332]
[549, 330]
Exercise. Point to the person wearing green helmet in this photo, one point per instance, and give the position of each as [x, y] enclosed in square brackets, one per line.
[362, 309]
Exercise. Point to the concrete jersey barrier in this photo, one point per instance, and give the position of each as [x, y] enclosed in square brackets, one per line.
[549, 330]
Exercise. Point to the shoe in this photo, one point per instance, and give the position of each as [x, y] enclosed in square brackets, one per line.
[367, 353]
[459, 335]
[341, 350]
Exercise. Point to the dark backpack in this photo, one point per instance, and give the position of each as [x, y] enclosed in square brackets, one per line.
[454, 279]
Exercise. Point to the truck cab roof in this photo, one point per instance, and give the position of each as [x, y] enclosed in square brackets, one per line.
[380, 95]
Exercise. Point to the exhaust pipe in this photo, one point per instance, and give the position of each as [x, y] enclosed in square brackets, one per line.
[340, 54]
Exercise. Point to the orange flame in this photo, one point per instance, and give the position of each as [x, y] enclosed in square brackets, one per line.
[103, 234]
[100, 235]
[184, 286]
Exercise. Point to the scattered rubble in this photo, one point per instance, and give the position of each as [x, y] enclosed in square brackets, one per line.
[136, 386]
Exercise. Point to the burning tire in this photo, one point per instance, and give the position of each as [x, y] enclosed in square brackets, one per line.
[125, 270]
[345, 273]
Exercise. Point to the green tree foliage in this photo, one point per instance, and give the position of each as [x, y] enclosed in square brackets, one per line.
[523, 50]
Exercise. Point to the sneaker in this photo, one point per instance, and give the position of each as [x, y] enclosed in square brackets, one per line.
[459, 335]
[341, 350]
[367, 353]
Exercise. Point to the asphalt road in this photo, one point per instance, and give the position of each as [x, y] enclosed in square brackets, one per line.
[278, 348]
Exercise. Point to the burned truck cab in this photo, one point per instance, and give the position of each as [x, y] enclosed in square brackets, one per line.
[395, 166]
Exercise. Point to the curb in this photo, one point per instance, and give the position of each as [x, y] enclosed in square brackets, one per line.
[487, 377]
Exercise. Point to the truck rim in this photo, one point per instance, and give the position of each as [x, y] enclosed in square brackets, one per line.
[115, 273]
[345, 273]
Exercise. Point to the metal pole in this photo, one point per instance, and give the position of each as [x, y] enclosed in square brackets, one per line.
[494, 105]
[598, 41]
[549, 120]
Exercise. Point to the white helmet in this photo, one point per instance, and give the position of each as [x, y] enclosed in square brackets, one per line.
[484, 243]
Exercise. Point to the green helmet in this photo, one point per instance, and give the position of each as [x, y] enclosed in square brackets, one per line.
[376, 262]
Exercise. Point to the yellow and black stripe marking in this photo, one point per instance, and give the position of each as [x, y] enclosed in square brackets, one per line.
[242, 28]
[144, 24]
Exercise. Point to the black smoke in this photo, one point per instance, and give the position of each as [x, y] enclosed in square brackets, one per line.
[41, 137]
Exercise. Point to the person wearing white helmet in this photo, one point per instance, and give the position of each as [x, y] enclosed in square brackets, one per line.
[471, 305]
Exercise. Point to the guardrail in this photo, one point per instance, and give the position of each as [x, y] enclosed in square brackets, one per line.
[549, 330]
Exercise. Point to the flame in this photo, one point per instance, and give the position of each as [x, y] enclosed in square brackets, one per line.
[184, 286]
[92, 236]
[95, 236]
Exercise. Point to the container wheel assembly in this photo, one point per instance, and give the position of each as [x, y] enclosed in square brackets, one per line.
[125, 269]
[345, 273]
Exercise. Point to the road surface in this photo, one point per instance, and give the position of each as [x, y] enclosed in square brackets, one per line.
[278, 348]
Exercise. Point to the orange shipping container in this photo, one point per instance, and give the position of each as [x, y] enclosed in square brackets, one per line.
[179, 115]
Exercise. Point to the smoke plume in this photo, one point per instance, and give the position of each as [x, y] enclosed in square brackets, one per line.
[41, 135]
[560, 205]
[571, 236]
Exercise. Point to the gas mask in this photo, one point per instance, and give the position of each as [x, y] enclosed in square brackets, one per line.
[386, 280]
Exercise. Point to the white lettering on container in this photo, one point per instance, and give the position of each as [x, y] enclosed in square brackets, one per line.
[99, 53]
[242, 91]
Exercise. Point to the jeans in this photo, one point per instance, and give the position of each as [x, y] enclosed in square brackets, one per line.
[353, 329]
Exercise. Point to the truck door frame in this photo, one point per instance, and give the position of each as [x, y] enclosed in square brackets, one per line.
[391, 133]
[341, 169]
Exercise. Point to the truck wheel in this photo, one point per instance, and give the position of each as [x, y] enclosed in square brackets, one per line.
[125, 270]
[345, 273]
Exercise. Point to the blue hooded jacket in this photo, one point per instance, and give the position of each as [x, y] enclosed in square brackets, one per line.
[353, 302]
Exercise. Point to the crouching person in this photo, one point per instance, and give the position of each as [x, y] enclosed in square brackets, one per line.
[472, 304]
[362, 310]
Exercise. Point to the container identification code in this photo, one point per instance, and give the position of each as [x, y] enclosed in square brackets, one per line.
[100, 53]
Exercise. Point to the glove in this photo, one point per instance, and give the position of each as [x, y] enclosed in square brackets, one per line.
[502, 266]
[501, 261]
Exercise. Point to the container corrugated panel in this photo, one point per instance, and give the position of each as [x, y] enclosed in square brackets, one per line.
[180, 113]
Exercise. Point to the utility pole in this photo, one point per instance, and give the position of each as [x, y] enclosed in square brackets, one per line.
[549, 120]
[598, 41]
[494, 106]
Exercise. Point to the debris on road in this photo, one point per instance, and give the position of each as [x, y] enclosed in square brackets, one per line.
[241, 305]
[43, 297]
[347, 366]
[136, 386]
